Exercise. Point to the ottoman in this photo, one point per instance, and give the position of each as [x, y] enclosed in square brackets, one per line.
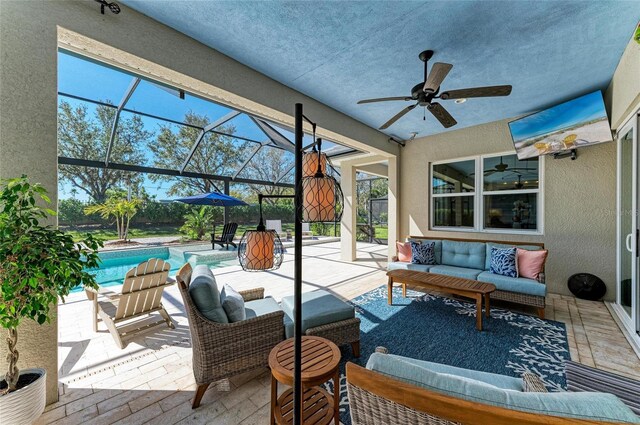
[326, 316]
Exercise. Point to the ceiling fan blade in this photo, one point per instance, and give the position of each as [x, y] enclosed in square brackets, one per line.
[442, 115]
[438, 73]
[489, 172]
[488, 91]
[397, 116]
[384, 99]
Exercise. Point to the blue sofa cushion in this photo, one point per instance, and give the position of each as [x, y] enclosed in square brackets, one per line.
[423, 253]
[260, 307]
[582, 405]
[399, 265]
[501, 381]
[437, 247]
[487, 265]
[521, 285]
[205, 294]
[503, 261]
[462, 272]
[318, 308]
[233, 304]
[470, 255]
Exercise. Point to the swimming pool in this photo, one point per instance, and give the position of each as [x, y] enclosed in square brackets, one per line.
[115, 264]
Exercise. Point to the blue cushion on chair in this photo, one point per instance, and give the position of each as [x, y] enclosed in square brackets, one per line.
[423, 253]
[260, 307]
[318, 308]
[521, 285]
[205, 294]
[400, 265]
[503, 262]
[462, 272]
[583, 405]
[470, 255]
[233, 304]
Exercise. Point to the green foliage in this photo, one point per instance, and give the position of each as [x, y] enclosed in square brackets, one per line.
[197, 223]
[37, 263]
[122, 210]
[325, 229]
[217, 154]
[86, 135]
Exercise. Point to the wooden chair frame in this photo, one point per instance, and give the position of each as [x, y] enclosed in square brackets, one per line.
[141, 294]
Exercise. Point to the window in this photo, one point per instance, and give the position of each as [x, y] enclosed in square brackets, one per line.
[491, 193]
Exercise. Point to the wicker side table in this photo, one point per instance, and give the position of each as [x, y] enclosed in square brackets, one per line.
[320, 361]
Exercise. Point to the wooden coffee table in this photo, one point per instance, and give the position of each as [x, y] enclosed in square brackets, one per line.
[320, 361]
[452, 285]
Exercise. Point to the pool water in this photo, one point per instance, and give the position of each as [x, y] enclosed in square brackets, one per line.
[112, 270]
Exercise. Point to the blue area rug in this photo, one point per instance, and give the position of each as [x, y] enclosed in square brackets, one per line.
[443, 330]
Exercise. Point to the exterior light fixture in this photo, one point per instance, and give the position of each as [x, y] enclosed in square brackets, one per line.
[459, 101]
[317, 197]
[260, 249]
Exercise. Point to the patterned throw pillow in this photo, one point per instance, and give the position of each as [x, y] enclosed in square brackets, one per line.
[503, 261]
[423, 253]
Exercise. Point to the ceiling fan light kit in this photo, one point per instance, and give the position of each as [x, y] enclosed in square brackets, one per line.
[425, 92]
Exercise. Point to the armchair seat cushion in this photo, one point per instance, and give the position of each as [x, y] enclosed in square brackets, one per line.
[520, 285]
[399, 265]
[592, 406]
[319, 308]
[463, 272]
[260, 307]
[205, 294]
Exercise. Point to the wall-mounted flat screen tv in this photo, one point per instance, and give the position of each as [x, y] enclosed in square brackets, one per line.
[573, 124]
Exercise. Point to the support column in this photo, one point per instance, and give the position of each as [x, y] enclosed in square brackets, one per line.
[393, 204]
[348, 222]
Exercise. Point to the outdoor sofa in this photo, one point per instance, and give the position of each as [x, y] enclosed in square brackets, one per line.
[471, 260]
[399, 390]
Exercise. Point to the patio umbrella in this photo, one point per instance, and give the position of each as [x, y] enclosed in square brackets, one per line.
[215, 199]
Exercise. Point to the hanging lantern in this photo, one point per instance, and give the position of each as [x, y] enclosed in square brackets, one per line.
[310, 163]
[260, 250]
[322, 199]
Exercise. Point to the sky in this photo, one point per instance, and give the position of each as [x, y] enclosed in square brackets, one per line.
[87, 79]
[584, 108]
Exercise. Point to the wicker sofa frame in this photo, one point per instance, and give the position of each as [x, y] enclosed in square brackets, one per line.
[376, 399]
[222, 350]
[514, 297]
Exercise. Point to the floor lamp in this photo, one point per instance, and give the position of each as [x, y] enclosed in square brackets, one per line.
[317, 198]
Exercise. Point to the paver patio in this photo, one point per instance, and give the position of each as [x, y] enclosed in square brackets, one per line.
[151, 381]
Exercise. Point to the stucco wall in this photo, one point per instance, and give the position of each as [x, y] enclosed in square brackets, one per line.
[623, 93]
[579, 199]
[28, 101]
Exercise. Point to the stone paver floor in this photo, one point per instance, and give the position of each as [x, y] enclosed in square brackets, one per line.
[151, 380]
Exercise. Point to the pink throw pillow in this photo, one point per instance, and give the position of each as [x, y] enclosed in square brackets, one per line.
[531, 263]
[404, 251]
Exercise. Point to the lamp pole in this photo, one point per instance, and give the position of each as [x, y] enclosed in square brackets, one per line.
[297, 273]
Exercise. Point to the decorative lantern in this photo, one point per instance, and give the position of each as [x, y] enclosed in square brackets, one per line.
[260, 249]
[310, 163]
[322, 198]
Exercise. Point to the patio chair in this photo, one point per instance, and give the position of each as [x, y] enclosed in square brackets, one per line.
[222, 350]
[141, 294]
[226, 239]
[277, 226]
[306, 231]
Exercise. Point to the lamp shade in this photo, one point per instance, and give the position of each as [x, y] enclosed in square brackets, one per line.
[322, 199]
[260, 250]
[310, 163]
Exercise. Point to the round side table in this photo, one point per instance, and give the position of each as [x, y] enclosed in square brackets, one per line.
[320, 361]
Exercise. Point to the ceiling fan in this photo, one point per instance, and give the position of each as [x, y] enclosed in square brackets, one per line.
[425, 92]
[502, 168]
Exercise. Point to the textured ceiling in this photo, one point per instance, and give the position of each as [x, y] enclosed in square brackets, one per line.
[341, 52]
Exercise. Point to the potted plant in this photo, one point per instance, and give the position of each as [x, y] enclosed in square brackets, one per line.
[38, 264]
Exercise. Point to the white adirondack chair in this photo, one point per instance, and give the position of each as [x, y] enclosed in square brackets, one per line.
[277, 226]
[141, 294]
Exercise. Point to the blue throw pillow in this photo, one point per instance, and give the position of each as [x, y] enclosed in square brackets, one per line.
[503, 262]
[233, 304]
[423, 253]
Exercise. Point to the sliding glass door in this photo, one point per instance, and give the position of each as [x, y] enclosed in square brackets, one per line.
[628, 234]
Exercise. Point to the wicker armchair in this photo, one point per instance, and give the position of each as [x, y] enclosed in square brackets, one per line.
[222, 350]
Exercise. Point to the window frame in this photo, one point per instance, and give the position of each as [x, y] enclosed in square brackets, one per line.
[478, 197]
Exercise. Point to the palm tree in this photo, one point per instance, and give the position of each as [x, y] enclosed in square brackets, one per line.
[122, 210]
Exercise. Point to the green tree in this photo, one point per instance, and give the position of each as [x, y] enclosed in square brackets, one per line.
[197, 222]
[217, 154]
[121, 209]
[86, 135]
[37, 263]
[268, 165]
